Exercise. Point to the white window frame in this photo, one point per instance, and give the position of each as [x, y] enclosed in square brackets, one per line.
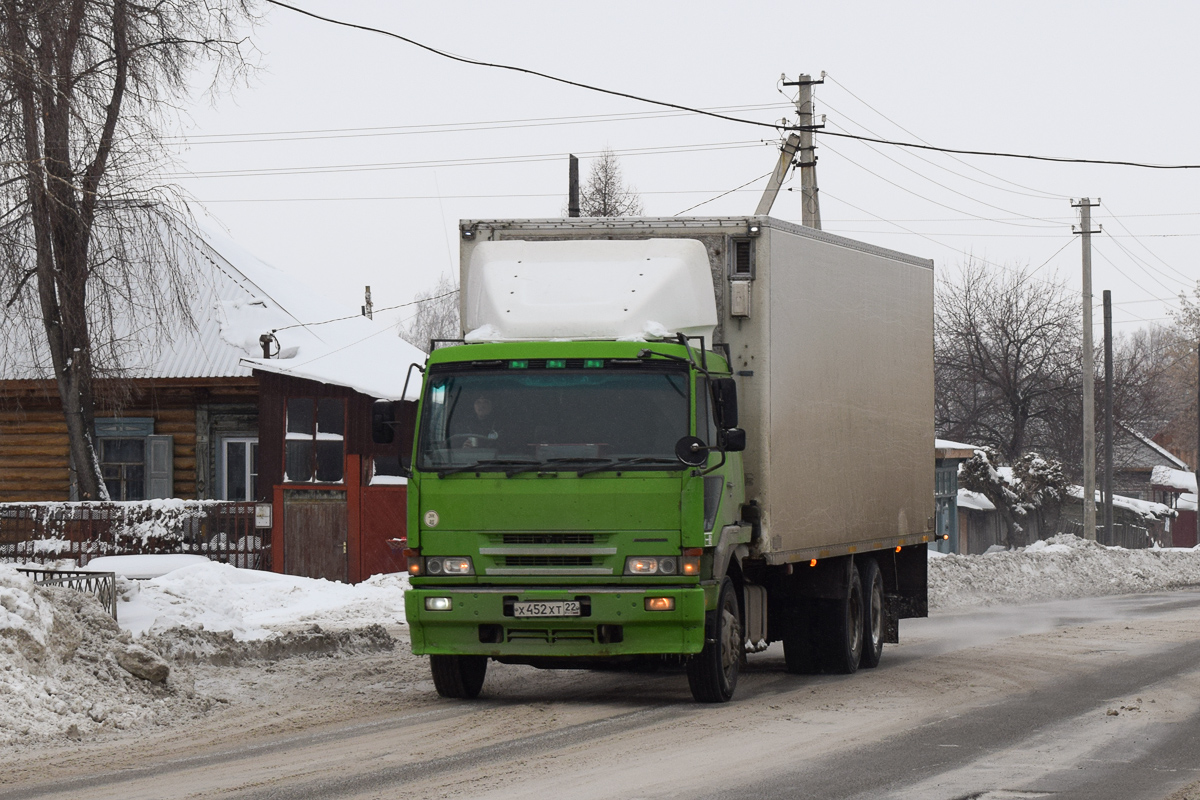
[223, 465]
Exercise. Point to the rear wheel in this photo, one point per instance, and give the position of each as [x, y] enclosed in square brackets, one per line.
[458, 676]
[872, 584]
[841, 640]
[713, 672]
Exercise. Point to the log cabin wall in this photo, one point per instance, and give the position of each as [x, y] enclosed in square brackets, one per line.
[34, 461]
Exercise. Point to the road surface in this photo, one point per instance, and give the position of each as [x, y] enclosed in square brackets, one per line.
[1091, 699]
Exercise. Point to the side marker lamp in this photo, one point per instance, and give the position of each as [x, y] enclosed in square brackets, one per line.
[897, 548]
[660, 603]
[414, 561]
[812, 563]
[689, 564]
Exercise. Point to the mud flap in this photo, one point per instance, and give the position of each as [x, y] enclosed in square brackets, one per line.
[891, 619]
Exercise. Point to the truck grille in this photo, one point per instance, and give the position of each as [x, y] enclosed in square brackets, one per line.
[549, 538]
[547, 561]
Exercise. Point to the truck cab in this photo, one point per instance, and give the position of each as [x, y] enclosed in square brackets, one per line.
[563, 497]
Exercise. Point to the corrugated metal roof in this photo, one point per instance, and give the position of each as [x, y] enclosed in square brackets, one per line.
[204, 350]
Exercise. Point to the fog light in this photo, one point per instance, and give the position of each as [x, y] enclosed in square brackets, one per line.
[660, 603]
[438, 604]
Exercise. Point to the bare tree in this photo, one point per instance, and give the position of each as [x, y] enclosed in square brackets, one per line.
[87, 88]
[436, 316]
[605, 194]
[1178, 347]
[1006, 358]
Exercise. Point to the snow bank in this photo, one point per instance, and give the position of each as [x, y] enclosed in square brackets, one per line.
[250, 603]
[59, 670]
[1064, 566]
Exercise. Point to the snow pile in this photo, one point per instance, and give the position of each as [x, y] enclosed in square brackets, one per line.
[1064, 566]
[251, 604]
[60, 666]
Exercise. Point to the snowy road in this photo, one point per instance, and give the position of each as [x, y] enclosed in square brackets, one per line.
[1094, 698]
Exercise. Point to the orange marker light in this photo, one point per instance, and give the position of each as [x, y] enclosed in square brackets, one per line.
[897, 548]
[812, 563]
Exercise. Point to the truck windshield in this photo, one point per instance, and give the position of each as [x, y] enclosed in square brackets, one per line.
[553, 418]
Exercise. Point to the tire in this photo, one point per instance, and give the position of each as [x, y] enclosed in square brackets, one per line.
[873, 614]
[800, 653]
[841, 640]
[713, 672]
[459, 677]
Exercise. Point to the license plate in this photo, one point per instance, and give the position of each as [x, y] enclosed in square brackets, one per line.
[552, 608]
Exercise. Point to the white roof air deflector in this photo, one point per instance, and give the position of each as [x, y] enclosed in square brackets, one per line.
[588, 290]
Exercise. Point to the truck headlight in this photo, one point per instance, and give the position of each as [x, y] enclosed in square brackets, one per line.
[438, 604]
[448, 565]
[652, 565]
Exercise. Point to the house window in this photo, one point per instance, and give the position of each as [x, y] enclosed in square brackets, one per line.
[239, 468]
[314, 447]
[123, 466]
[134, 463]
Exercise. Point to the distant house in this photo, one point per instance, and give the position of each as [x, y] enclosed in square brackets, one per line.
[1135, 456]
[1177, 488]
[338, 499]
[188, 428]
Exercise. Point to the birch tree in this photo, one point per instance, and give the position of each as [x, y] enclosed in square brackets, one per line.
[88, 90]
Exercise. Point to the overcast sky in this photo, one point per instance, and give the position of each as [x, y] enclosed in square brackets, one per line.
[351, 156]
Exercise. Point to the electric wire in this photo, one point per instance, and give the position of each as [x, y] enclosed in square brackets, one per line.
[921, 196]
[849, 91]
[377, 311]
[1145, 266]
[511, 68]
[963, 194]
[1117, 219]
[932, 163]
[722, 194]
[756, 123]
[458, 162]
[445, 127]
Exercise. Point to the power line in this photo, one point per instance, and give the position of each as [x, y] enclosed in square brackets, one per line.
[523, 70]
[960, 194]
[443, 127]
[679, 107]
[845, 88]
[1147, 249]
[722, 194]
[356, 316]
[456, 162]
[923, 197]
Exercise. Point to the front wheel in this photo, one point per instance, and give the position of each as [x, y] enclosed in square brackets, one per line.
[458, 676]
[713, 672]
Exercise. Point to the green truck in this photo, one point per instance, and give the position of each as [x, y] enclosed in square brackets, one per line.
[671, 442]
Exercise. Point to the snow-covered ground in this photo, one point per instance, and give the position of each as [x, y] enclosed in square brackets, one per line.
[61, 654]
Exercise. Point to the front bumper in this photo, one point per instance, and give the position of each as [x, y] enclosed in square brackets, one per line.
[615, 622]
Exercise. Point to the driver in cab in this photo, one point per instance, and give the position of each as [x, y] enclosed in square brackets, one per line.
[481, 425]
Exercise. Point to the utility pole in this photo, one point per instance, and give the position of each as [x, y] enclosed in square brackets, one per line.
[368, 309]
[573, 187]
[1196, 464]
[811, 210]
[786, 154]
[1108, 419]
[1085, 206]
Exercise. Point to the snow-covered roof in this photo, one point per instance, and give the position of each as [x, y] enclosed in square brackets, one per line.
[227, 287]
[974, 501]
[1168, 478]
[579, 290]
[1152, 451]
[365, 355]
[1142, 507]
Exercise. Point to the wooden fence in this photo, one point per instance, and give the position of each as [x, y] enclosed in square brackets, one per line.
[44, 533]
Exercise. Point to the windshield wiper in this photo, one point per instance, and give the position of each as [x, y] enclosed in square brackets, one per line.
[488, 462]
[538, 465]
[618, 463]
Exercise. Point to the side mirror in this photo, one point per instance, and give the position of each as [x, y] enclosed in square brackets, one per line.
[733, 440]
[383, 419]
[725, 407]
[691, 451]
